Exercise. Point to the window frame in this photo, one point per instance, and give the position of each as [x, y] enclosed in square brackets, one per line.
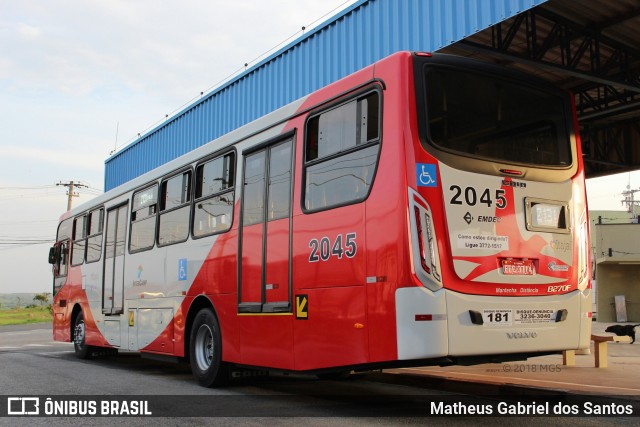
[267, 146]
[63, 242]
[362, 93]
[155, 215]
[159, 212]
[263, 187]
[74, 239]
[292, 138]
[231, 190]
[100, 233]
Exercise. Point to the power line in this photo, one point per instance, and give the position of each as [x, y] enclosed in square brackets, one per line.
[28, 222]
[31, 196]
[41, 187]
[26, 242]
[25, 237]
[9, 247]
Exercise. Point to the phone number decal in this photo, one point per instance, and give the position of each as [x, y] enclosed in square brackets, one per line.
[483, 242]
[534, 316]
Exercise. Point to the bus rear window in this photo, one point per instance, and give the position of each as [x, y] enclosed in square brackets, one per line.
[496, 119]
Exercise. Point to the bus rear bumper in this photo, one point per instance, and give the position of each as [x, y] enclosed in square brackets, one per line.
[451, 324]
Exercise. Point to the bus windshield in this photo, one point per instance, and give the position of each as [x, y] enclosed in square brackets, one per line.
[484, 116]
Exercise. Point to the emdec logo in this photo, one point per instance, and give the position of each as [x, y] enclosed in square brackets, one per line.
[508, 182]
[23, 406]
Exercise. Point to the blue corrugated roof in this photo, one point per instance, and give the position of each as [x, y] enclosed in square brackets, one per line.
[354, 38]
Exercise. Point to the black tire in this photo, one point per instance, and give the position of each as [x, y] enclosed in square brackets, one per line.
[335, 376]
[205, 351]
[83, 351]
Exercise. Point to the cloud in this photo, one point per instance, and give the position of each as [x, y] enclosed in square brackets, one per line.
[71, 71]
[28, 31]
[180, 48]
[55, 157]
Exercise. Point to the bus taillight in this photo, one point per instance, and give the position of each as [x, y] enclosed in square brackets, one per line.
[426, 259]
[423, 256]
[584, 252]
[431, 243]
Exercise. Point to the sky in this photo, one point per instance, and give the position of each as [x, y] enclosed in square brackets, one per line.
[80, 78]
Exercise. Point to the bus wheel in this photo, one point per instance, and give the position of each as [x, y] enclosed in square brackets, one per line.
[205, 353]
[83, 351]
[335, 376]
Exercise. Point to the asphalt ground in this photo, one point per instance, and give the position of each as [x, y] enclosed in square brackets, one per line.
[545, 375]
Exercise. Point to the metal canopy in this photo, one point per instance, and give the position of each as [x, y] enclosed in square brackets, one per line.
[589, 47]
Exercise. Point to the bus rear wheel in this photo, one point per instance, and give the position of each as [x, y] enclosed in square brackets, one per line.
[205, 351]
[335, 376]
[83, 351]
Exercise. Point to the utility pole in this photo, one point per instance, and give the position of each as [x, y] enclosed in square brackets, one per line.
[629, 200]
[70, 188]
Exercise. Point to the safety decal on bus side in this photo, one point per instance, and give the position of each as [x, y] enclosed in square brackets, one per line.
[302, 306]
[426, 175]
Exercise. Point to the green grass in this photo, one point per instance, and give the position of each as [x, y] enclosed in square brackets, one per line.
[21, 316]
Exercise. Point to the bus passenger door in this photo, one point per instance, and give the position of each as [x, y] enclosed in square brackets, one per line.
[113, 279]
[265, 260]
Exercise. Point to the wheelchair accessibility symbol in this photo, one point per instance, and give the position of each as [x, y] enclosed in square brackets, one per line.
[426, 175]
[182, 269]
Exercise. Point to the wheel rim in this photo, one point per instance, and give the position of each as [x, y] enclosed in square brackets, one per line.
[204, 347]
[78, 335]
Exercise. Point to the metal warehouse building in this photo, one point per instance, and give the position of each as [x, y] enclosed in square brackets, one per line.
[590, 47]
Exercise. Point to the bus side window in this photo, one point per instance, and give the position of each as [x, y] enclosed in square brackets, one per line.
[62, 248]
[79, 240]
[341, 153]
[175, 209]
[63, 259]
[254, 189]
[214, 196]
[94, 242]
[143, 219]
[279, 200]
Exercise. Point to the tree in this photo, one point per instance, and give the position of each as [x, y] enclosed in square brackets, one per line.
[42, 298]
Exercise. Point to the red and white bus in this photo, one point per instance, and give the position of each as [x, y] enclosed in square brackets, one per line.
[426, 209]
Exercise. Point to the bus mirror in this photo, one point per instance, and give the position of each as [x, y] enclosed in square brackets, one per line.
[52, 255]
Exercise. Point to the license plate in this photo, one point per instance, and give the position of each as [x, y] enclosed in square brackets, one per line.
[518, 267]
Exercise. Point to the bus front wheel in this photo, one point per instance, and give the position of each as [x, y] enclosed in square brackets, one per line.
[83, 351]
[205, 355]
